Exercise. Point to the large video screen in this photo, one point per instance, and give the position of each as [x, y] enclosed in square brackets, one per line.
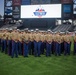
[41, 11]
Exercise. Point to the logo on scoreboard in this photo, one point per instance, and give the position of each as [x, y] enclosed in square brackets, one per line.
[40, 12]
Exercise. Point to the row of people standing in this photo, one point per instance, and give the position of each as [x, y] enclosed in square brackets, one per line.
[16, 42]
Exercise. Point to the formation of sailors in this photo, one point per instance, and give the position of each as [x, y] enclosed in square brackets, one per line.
[29, 42]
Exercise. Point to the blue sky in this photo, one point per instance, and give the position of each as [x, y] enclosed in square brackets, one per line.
[2, 7]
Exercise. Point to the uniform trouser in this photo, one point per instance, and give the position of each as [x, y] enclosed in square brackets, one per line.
[62, 47]
[9, 47]
[42, 47]
[74, 47]
[58, 49]
[0, 44]
[22, 48]
[14, 48]
[53, 46]
[37, 46]
[66, 48]
[48, 49]
[31, 48]
[26, 50]
[4, 46]
[19, 47]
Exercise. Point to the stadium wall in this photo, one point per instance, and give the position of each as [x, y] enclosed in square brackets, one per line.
[39, 23]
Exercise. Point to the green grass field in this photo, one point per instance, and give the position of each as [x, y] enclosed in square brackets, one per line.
[55, 65]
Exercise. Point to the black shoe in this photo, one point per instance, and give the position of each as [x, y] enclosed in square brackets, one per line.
[68, 53]
[39, 56]
[55, 54]
[16, 57]
[35, 55]
[25, 56]
[11, 57]
[59, 54]
[49, 55]
[64, 54]
[46, 55]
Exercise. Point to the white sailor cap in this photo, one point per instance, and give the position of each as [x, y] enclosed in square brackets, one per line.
[22, 30]
[10, 29]
[3, 28]
[6, 28]
[62, 32]
[48, 30]
[75, 32]
[55, 32]
[26, 29]
[36, 29]
[67, 31]
[40, 31]
[32, 30]
[15, 27]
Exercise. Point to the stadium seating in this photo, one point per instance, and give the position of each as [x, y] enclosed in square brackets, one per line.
[11, 26]
[74, 28]
[62, 28]
[54, 28]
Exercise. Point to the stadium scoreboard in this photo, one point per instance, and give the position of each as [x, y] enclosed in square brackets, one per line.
[23, 9]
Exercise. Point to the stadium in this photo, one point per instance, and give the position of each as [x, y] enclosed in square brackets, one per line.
[38, 37]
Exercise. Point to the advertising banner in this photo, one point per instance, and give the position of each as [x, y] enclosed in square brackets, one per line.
[16, 12]
[67, 16]
[74, 9]
[55, 1]
[67, 8]
[66, 1]
[16, 16]
[8, 10]
[8, 3]
[25, 2]
[67, 11]
[16, 2]
[74, 1]
[33, 2]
